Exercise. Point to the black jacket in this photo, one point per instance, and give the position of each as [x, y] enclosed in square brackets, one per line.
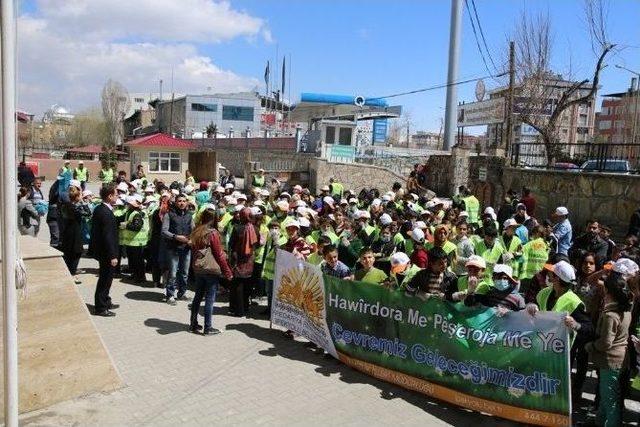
[104, 234]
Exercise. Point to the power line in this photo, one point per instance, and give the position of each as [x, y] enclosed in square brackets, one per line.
[484, 41]
[475, 35]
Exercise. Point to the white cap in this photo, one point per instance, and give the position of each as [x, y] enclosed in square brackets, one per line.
[477, 261]
[75, 183]
[302, 211]
[241, 197]
[376, 202]
[385, 219]
[210, 206]
[138, 197]
[293, 223]
[624, 266]
[561, 210]
[463, 214]
[361, 214]
[399, 258]
[344, 202]
[175, 191]
[285, 194]
[255, 211]
[489, 210]
[283, 205]
[229, 186]
[421, 225]
[230, 200]
[301, 203]
[188, 189]
[149, 189]
[510, 223]
[264, 193]
[304, 222]
[81, 162]
[386, 198]
[297, 188]
[119, 202]
[133, 201]
[324, 188]
[87, 193]
[329, 200]
[417, 235]
[430, 204]
[563, 270]
[149, 199]
[353, 200]
[258, 203]
[503, 268]
[219, 189]
[238, 208]
[136, 183]
[122, 186]
[414, 196]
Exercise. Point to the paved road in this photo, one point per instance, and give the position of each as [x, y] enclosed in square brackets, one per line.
[248, 375]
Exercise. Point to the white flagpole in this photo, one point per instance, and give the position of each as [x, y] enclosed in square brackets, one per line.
[9, 222]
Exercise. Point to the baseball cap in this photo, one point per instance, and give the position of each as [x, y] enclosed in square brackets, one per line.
[283, 205]
[328, 199]
[133, 201]
[417, 235]
[229, 186]
[561, 211]
[386, 198]
[293, 223]
[463, 214]
[385, 219]
[504, 269]
[122, 186]
[420, 224]
[87, 193]
[563, 270]
[520, 206]
[324, 188]
[81, 162]
[188, 189]
[219, 189]
[264, 193]
[376, 202]
[285, 194]
[241, 197]
[75, 183]
[255, 211]
[510, 223]
[476, 261]
[304, 222]
[238, 208]
[398, 261]
[624, 266]
[353, 200]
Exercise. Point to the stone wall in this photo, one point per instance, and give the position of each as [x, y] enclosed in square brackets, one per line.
[610, 198]
[354, 176]
[268, 159]
[439, 176]
[402, 165]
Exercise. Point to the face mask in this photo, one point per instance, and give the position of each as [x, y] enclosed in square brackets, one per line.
[501, 284]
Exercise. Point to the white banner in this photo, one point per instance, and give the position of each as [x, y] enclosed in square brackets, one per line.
[298, 301]
[481, 113]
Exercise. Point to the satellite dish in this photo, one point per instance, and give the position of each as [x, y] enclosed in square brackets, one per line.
[359, 101]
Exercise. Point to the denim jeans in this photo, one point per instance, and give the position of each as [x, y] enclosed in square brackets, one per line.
[206, 287]
[179, 260]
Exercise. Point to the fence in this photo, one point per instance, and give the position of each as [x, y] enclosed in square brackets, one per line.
[279, 143]
[589, 157]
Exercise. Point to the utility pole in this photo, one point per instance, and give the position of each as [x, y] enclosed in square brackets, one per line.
[512, 77]
[452, 75]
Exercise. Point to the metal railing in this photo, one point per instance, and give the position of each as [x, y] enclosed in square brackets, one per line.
[585, 157]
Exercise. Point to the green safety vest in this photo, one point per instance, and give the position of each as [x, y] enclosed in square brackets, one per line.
[259, 253]
[119, 212]
[567, 302]
[269, 266]
[224, 221]
[374, 275]
[136, 238]
[413, 270]
[448, 246]
[258, 181]
[481, 289]
[316, 234]
[491, 256]
[337, 189]
[315, 258]
[472, 206]
[516, 264]
[398, 238]
[107, 176]
[81, 174]
[534, 256]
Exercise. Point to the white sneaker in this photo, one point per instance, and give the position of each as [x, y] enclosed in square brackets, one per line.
[171, 301]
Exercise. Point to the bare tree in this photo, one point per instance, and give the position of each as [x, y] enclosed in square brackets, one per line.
[115, 104]
[88, 128]
[542, 96]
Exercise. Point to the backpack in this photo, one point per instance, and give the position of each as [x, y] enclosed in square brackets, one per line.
[205, 263]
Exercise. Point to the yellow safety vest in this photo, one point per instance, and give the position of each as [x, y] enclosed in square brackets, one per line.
[81, 174]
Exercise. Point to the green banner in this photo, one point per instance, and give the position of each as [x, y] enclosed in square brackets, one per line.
[515, 366]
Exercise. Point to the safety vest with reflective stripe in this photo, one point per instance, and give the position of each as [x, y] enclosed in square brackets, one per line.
[491, 256]
[107, 176]
[567, 302]
[337, 189]
[119, 212]
[472, 206]
[534, 256]
[81, 174]
[412, 271]
[136, 238]
[269, 267]
[258, 181]
[516, 264]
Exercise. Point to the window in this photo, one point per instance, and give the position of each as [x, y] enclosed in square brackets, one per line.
[164, 162]
[604, 124]
[243, 114]
[197, 106]
[139, 100]
[345, 136]
[330, 137]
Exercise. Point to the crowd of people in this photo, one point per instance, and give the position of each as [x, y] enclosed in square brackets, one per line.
[212, 234]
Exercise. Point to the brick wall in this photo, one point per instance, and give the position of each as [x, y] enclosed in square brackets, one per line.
[48, 168]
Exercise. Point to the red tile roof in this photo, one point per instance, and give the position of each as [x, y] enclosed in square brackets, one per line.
[160, 140]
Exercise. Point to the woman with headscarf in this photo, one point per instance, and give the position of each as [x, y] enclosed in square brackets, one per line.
[156, 242]
[243, 242]
[73, 214]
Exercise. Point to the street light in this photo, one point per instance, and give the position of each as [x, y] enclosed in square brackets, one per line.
[635, 101]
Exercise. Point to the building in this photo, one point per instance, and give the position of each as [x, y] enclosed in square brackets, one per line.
[619, 118]
[575, 126]
[232, 114]
[426, 140]
[163, 157]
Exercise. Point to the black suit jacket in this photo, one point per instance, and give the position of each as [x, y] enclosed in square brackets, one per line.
[104, 234]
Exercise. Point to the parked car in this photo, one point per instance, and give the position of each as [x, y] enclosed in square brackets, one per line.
[566, 166]
[606, 165]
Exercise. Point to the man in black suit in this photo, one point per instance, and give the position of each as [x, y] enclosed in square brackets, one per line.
[104, 247]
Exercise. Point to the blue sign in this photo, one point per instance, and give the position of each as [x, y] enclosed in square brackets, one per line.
[379, 130]
[528, 130]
